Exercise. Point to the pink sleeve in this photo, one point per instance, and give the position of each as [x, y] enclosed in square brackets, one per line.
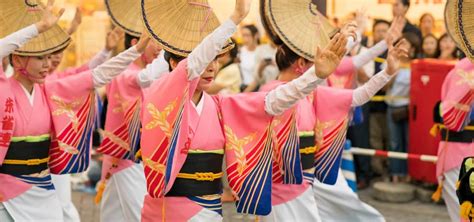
[72, 103]
[332, 107]
[457, 95]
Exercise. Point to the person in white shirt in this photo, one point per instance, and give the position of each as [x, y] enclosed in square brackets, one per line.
[250, 37]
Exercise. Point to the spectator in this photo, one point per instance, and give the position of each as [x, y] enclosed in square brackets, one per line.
[250, 38]
[228, 79]
[378, 129]
[397, 113]
[447, 48]
[429, 47]
[400, 8]
[266, 68]
[427, 24]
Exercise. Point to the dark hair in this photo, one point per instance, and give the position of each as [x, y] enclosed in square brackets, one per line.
[285, 57]
[128, 40]
[406, 3]
[253, 30]
[456, 53]
[234, 52]
[423, 54]
[380, 21]
[414, 41]
[171, 56]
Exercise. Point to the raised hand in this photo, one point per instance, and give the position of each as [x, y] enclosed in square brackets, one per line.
[349, 30]
[242, 9]
[143, 42]
[49, 19]
[327, 60]
[395, 54]
[113, 38]
[395, 30]
[362, 19]
[76, 21]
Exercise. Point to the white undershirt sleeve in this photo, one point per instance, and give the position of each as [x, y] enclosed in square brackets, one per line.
[365, 57]
[153, 71]
[104, 73]
[207, 50]
[15, 40]
[285, 96]
[364, 93]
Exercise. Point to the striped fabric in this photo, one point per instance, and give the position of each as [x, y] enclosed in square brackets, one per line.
[347, 166]
[70, 152]
[41, 180]
[328, 156]
[211, 202]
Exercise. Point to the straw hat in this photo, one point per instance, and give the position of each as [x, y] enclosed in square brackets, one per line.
[126, 15]
[180, 25]
[295, 23]
[459, 23]
[20, 14]
[269, 31]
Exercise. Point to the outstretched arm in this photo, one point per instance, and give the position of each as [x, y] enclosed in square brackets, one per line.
[104, 73]
[153, 71]
[364, 93]
[208, 49]
[326, 61]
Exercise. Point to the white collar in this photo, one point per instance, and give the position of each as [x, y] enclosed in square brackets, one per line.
[31, 97]
[199, 107]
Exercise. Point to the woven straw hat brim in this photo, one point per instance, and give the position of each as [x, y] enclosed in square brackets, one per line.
[268, 29]
[295, 24]
[450, 23]
[460, 24]
[180, 25]
[126, 14]
[20, 14]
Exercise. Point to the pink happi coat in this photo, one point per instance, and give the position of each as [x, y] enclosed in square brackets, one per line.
[122, 126]
[63, 109]
[68, 72]
[326, 113]
[344, 77]
[457, 99]
[171, 127]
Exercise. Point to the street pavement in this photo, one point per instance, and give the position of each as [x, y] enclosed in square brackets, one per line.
[407, 212]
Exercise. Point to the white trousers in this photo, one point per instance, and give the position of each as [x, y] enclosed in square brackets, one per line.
[449, 194]
[62, 183]
[206, 215]
[338, 203]
[123, 196]
[302, 209]
[34, 205]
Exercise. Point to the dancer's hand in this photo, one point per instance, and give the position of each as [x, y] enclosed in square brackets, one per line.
[143, 42]
[242, 9]
[76, 21]
[395, 54]
[327, 60]
[350, 30]
[395, 30]
[113, 39]
[49, 19]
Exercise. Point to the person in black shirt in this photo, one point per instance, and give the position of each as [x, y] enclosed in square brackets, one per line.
[400, 8]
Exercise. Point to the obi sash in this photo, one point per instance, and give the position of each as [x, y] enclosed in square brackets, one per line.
[200, 175]
[307, 149]
[27, 157]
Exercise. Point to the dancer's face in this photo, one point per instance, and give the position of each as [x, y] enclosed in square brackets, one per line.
[56, 59]
[208, 76]
[36, 67]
